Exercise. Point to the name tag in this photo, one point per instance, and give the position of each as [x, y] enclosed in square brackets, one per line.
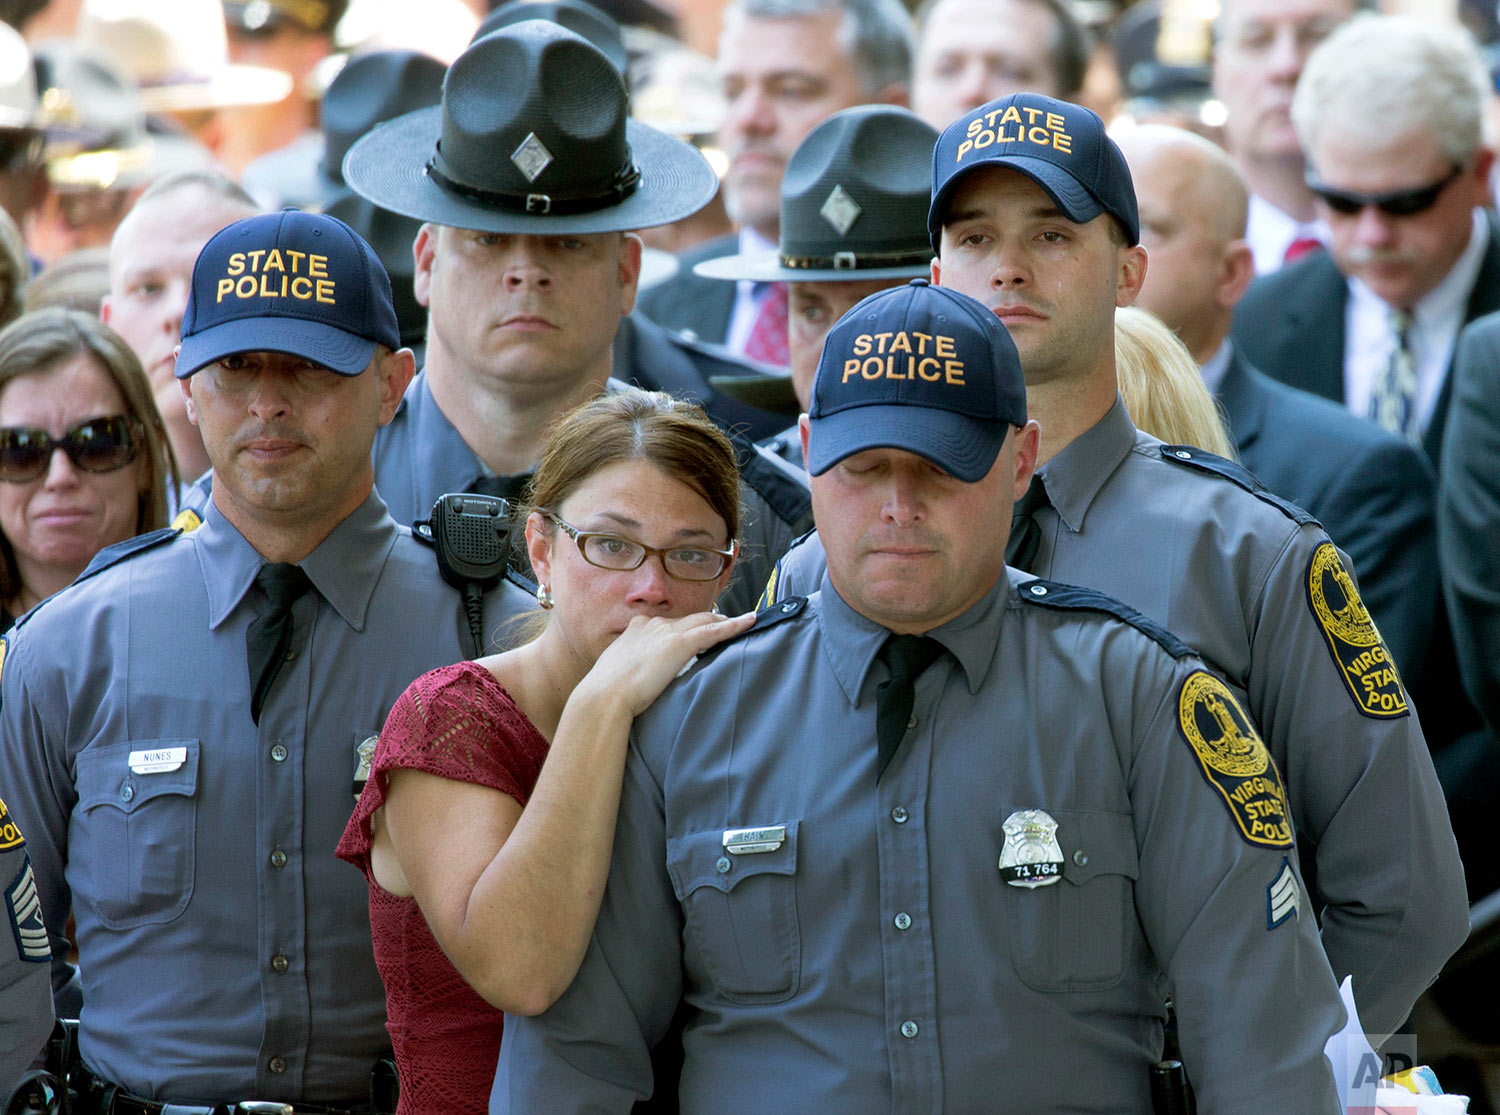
[159, 761]
[742, 842]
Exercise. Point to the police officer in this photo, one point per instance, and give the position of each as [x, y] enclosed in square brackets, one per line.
[26, 1019]
[853, 221]
[1033, 213]
[949, 868]
[527, 271]
[184, 724]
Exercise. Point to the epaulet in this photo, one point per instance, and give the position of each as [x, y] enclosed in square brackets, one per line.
[1071, 598]
[121, 551]
[109, 556]
[784, 491]
[1204, 461]
[765, 619]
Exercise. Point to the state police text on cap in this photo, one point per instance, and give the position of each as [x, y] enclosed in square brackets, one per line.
[1062, 147]
[305, 284]
[920, 368]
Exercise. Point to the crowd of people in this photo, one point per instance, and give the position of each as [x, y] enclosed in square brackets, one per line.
[920, 559]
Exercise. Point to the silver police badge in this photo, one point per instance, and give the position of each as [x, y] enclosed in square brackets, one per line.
[1030, 856]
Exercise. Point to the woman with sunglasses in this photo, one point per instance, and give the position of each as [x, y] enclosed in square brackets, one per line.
[477, 904]
[84, 457]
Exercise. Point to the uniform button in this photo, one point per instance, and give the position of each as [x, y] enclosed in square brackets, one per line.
[278, 858]
[1038, 590]
[1081, 858]
[723, 865]
[291, 655]
[912, 723]
[278, 963]
[899, 815]
[127, 792]
[903, 920]
[277, 1064]
[278, 754]
[789, 606]
[1183, 454]
[908, 1029]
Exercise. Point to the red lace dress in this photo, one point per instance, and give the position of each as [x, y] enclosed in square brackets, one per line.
[456, 722]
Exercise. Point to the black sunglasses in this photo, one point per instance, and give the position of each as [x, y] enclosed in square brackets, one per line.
[1397, 203]
[98, 445]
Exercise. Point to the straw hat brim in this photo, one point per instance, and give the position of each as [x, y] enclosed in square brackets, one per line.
[231, 86]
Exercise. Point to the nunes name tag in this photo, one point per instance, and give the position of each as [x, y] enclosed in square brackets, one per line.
[158, 761]
[742, 842]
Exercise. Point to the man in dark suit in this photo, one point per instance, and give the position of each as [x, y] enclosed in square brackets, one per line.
[1389, 112]
[1372, 490]
[785, 65]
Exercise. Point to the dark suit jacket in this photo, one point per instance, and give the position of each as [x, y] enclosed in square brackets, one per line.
[1469, 549]
[1372, 491]
[1290, 325]
[1469, 513]
[688, 301]
[649, 356]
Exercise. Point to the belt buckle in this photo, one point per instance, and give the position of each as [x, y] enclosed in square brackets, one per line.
[263, 1107]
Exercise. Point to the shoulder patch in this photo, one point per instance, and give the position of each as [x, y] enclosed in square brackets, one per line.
[1234, 760]
[24, 906]
[1071, 598]
[1358, 651]
[775, 589]
[122, 551]
[774, 481]
[1204, 461]
[10, 835]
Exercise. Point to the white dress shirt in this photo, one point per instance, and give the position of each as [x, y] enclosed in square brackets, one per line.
[1437, 318]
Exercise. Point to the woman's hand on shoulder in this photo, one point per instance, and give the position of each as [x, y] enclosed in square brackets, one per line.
[653, 650]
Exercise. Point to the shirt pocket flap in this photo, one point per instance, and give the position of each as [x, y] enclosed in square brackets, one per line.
[1095, 844]
[129, 774]
[700, 859]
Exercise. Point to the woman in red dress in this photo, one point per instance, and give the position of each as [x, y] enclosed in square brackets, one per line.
[478, 906]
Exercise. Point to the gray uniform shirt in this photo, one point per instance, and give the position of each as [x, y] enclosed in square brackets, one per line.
[420, 456]
[864, 952]
[1248, 582]
[224, 952]
[25, 990]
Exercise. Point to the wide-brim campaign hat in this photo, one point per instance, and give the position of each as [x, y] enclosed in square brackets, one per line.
[532, 137]
[369, 90]
[305, 284]
[1062, 147]
[577, 16]
[854, 203]
[178, 53]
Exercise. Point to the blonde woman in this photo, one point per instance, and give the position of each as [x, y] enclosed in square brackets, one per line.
[1161, 385]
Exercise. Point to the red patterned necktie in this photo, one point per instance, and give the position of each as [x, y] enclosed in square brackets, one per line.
[767, 342]
[1299, 248]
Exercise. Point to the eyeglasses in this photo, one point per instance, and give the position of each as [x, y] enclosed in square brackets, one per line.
[610, 551]
[1397, 203]
[101, 444]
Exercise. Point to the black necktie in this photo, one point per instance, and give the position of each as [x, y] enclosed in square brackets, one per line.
[1025, 531]
[268, 637]
[906, 656]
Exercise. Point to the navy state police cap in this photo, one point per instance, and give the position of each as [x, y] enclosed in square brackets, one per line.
[920, 368]
[1062, 147]
[305, 284]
